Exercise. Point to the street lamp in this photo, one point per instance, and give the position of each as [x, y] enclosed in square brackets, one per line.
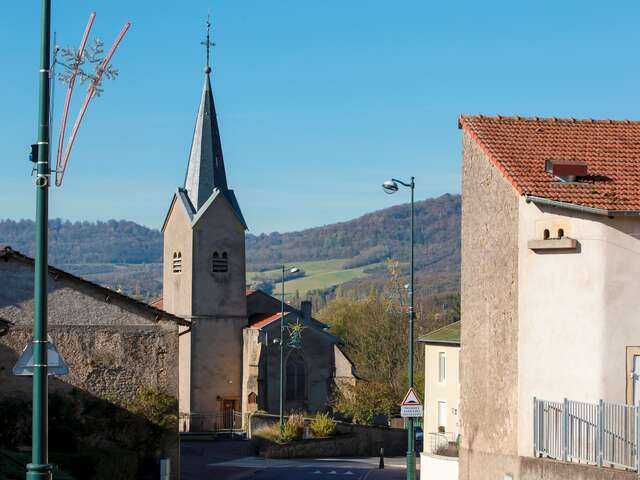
[391, 187]
[291, 270]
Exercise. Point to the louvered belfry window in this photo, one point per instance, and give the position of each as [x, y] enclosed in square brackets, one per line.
[177, 262]
[220, 262]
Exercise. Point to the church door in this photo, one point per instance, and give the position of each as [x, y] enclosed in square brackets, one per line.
[228, 407]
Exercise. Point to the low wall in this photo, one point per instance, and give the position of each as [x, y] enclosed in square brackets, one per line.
[436, 467]
[486, 466]
[545, 469]
[351, 441]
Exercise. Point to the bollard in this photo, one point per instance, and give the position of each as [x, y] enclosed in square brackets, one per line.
[381, 458]
[165, 469]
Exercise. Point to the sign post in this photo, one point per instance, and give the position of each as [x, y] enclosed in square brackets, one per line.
[411, 407]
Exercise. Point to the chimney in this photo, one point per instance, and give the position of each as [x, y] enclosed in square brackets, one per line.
[305, 308]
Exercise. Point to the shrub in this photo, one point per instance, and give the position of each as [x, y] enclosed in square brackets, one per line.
[323, 426]
[364, 401]
[270, 433]
[293, 427]
[15, 422]
[291, 432]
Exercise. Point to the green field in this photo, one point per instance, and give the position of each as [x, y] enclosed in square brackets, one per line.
[318, 275]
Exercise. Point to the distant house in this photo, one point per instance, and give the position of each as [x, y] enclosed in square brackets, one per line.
[549, 297]
[442, 381]
[441, 401]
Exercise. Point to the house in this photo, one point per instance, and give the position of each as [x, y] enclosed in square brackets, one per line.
[441, 424]
[228, 359]
[442, 381]
[114, 346]
[549, 280]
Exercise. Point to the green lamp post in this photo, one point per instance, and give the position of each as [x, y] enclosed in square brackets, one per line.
[390, 187]
[39, 467]
[292, 270]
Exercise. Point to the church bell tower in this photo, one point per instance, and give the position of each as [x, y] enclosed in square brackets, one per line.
[204, 272]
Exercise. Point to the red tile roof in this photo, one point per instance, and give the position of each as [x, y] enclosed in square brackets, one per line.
[519, 148]
[266, 319]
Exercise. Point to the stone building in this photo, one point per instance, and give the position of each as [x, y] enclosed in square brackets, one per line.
[227, 355]
[114, 345]
[550, 264]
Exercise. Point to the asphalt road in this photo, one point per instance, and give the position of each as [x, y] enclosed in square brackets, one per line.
[235, 460]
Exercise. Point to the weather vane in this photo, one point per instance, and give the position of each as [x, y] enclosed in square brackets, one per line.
[208, 43]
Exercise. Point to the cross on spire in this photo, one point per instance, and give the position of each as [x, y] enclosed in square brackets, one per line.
[208, 44]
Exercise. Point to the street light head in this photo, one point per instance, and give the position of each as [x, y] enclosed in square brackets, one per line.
[390, 187]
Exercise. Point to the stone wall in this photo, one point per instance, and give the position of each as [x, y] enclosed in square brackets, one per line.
[489, 352]
[113, 345]
[351, 441]
[320, 362]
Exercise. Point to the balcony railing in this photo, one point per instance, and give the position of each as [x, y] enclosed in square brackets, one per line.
[602, 434]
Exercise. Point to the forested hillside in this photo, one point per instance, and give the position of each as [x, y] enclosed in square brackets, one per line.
[127, 255]
[115, 241]
[371, 238]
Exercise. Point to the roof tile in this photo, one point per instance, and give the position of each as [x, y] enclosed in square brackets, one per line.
[520, 146]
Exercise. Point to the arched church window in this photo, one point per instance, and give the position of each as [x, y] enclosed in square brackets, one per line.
[220, 262]
[177, 262]
[296, 385]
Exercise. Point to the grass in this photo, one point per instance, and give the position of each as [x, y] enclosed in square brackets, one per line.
[319, 275]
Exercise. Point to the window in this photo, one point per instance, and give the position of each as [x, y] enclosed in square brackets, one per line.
[442, 417]
[442, 367]
[220, 262]
[177, 262]
[296, 377]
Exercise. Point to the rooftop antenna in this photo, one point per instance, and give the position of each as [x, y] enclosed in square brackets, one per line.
[208, 44]
[74, 60]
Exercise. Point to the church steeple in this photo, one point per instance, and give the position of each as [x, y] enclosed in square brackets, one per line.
[206, 164]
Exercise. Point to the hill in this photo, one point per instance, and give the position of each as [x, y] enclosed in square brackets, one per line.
[352, 253]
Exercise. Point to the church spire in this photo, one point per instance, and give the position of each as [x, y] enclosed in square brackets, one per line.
[206, 165]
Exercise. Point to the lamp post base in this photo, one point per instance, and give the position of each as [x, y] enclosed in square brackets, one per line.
[38, 471]
[411, 465]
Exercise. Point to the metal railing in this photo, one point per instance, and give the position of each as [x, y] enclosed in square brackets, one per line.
[228, 421]
[603, 433]
[436, 442]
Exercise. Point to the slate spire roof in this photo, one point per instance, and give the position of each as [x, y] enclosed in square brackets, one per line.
[206, 165]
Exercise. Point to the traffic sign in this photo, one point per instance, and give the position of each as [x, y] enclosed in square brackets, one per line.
[411, 405]
[24, 365]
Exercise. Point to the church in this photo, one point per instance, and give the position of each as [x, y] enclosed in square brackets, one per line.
[229, 354]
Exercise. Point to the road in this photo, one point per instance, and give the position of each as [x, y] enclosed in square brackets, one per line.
[235, 460]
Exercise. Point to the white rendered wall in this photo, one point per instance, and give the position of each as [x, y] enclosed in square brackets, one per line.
[435, 391]
[578, 310]
[434, 467]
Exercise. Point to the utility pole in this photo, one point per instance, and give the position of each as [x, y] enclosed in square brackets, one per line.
[39, 468]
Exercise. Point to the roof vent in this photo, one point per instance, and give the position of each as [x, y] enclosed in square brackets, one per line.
[566, 170]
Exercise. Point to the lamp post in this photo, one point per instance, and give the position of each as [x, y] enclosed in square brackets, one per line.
[390, 187]
[292, 270]
[39, 467]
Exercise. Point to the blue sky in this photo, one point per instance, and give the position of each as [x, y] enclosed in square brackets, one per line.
[318, 102]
